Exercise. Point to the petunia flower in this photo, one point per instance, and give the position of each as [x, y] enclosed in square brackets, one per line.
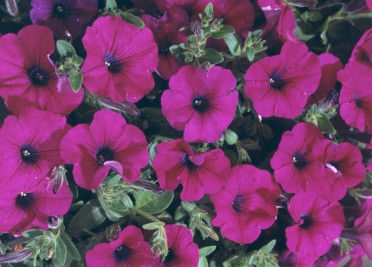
[246, 204]
[345, 162]
[355, 96]
[30, 205]
[167, 32]
[280, 85]
[299, 161]
[182, 252]
[362, 51]
[63, 17]
[330, 65]
[128, 250]
[192, 7]
[202, 103]
[177, 163]
[317, 223]
[120, 59]
[108, 142]
[27, 76]
[369, 4]
[30, 142]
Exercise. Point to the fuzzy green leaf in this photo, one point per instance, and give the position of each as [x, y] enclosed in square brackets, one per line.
[60, 251]
[212, 56]
[224, 31]
[76, 81]
[153, 203]
[233, 43]
[203, 252]
[132, 19]
[65, 48]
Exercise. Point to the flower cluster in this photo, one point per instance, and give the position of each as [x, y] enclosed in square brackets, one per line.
[184, 133]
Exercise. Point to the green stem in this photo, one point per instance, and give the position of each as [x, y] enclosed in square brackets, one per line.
[144, 215]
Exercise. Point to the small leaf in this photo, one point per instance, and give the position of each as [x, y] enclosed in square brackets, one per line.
[88, 217]
[153, 225]
[203, 252]
[268, 247]
[233, 43]
[225, 30]
[212, 56]
[65, 48]
[153, 203]
[132, 19]
[76, 81]
[71, 249]
[325, 125]
[61, 251]
[208, 10]
[231, 137]
[250, 53]
[32, 233]
[203, 262]
[111, 4]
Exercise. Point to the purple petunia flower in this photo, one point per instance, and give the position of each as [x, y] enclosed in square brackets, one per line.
[30, 142]
[120, 59]
[27, 76]
[246, 204]
[356, 96]
[30, 205]
[128, 250]
[63, 17]
[202, 103]
[318, 223]
[280, 85]
[205, 173]
[167, 32]
[108, 142]
[182, 252]
[299, 161]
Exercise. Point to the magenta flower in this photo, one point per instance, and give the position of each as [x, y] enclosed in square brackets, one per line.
[345, 162]
[27, 76]
[192, 7]
[177, 163]
[246, 204]
[362, 50]
[355, 96]
[202, 103]
[128, 250]
[167, 33]
[63, 17]
[30, 142]
[317, 223]
[120, 59]
[30, 205]
[108, 142]
[280, 85]
[299, 161]
[369, 4]
[330, 65]
[182, 252]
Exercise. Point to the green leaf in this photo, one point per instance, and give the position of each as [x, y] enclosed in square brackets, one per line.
[302, 36]
[250, 53]
[132, 19]
[153, 203]
[32, 233]
[65, 48]
[153, 225]
[203, 252]
[268, 247]
[88, 217]
[231, 137]
[325, 125]
[208, 10]
[203, 262]
[212, 56]
[225, 30]
[233, 43]
[76, 81]
[60, 251]
[71, 249]
[111, 4]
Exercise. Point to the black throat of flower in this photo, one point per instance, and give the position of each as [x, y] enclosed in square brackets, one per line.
[122, 254]
[188, 163]
[276, 81]
[38, 76]
[200, 103]
[299, 160]
[61, 9]
[113, 63]
[25, 201]
[306, 221]
[104, 154]
[237, 204]
[29, 154]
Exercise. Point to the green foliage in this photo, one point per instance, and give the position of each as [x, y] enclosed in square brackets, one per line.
[132, 19]
[321, 118]
[153, 203]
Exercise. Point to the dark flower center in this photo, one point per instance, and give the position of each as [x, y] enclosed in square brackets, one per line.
[200, 103]
[276, 81]
[61, 10]
[114, 65]
[189, 164]
[164, 47]
[29, 154]
[299, 160]
[306, 221]
[24, 201]
[38, 76]
[104, 154]
[358, 101]
[170, 256]
[122, 253]
[237, 204]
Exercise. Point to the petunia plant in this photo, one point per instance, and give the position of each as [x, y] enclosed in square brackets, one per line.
[184, 133]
